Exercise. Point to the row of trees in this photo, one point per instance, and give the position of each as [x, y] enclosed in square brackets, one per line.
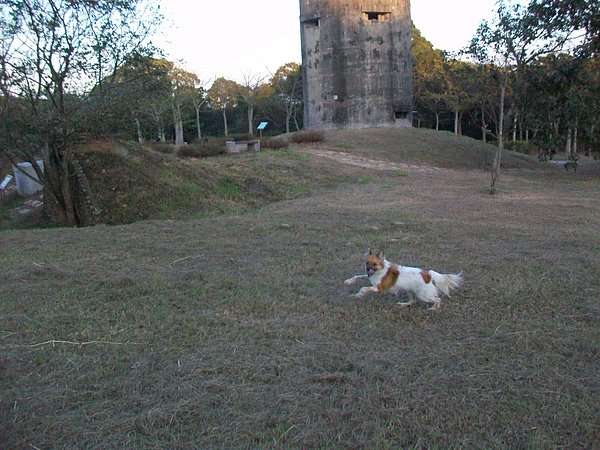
[75, 67]
[164, 101]
[52, 53]
[533, 71]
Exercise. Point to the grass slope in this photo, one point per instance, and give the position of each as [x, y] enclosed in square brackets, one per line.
[424, 147]
[237, 330]
[135, 183]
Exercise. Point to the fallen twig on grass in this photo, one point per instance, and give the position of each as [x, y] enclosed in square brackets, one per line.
[183, 259]
[80, 344]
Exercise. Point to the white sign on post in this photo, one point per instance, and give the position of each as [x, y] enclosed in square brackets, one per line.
[7, 179]
[261, 127]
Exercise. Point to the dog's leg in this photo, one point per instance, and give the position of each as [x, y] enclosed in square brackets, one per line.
[411, 300]
[364, 291]
[351, 281]
[437, 303]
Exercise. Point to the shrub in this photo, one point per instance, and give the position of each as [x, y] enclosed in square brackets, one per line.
[162, 147]
[305, 137]
[241, 137]
[211, 148]
[277, 143]
[522, 147]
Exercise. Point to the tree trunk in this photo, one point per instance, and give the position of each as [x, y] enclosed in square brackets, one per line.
[483, 125]
[296, 124]
[456, 122]
[198, 125]
[178, 122]
[288, 116]
[498, 155]
[437, 121]
[225, 122]
[58, 186]
[521, 126]
[251, 120]
[179, 134]
[568, 146]
[138, 128]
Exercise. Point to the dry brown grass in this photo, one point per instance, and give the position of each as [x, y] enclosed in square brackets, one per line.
[237, 331]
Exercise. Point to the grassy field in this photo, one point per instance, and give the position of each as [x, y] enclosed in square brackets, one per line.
[237, 331]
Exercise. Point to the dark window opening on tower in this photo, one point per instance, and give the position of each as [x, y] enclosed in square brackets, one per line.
[311, 23]
[374, 16]
[401, 115]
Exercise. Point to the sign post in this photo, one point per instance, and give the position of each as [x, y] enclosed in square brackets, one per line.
[261, 127]
[7, 179]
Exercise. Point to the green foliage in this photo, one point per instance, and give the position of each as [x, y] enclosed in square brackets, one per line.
[228, 188]
[276, 143]
[54, 57]
[307, 137]
[570, 17]
[201, 151]
[287, 82]
[166, 149]
[525, 147]
[428, 65]
[242, 137]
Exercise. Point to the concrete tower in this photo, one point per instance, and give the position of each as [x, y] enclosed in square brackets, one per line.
[356, 63]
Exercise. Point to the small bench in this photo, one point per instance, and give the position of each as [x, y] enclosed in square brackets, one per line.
[242, 146]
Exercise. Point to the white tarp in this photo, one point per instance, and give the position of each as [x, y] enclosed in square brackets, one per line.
[25, 185]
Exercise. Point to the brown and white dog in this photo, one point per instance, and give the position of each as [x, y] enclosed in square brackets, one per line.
[425, 285]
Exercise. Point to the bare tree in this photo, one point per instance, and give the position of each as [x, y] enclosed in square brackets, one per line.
[223, 95]
[288, 84]
[250, 92]
[53, 53]
[199, 100]
[516, 38]
[184, 91]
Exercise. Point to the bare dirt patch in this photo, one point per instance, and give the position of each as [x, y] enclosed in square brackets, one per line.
[370, 163]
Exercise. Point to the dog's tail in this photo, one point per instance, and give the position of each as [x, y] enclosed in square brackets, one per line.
[446, 282]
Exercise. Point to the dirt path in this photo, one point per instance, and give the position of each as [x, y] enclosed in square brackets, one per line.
[377, 164]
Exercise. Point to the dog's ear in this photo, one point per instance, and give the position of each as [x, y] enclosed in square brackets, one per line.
[369, 252]
[380, 254]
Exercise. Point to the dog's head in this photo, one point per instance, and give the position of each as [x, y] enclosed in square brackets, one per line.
[375, 261]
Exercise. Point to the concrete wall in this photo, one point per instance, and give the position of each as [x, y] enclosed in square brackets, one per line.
[356, 62]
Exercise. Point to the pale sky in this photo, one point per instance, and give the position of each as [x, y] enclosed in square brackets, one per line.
[244, 38]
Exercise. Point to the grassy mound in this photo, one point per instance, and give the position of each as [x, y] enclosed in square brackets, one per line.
[424, 147]
[133, 182]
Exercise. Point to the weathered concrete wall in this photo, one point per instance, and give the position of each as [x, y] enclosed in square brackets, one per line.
[356, 62]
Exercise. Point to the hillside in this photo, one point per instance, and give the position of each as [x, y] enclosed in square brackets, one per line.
[133, 182]
[424, 147]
